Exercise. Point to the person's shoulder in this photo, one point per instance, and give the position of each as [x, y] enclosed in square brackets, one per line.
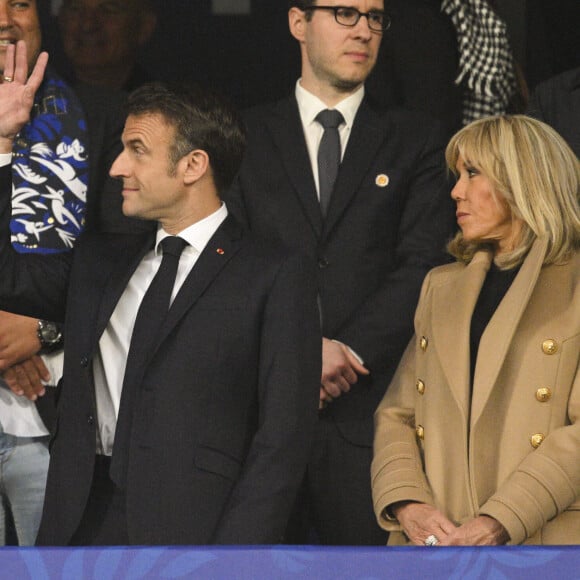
[255, 247]
[445, 273]
[565, 82]
[407, 123]
[259, 113]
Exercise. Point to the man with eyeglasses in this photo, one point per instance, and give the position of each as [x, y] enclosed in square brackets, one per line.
[363, 193]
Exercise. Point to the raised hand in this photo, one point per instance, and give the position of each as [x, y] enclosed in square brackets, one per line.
[17, 92]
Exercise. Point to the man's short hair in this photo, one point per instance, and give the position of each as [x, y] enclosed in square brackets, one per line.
[302, 4]
[202, 119]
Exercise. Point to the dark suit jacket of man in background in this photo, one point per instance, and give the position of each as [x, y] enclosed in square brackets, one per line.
[557, 102]
[387, 223]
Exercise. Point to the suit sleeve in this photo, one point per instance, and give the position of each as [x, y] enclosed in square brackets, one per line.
[380, 328]
[32, 285]
[289, 376]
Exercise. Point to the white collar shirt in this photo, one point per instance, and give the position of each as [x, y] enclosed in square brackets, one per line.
[309, 106]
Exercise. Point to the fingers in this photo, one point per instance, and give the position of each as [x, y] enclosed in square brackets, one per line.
[37, 76]
[9, 61]
[20, 63]
[420, 521]
[324, 399]
[339, 368]
[25, 379]
[356, 365]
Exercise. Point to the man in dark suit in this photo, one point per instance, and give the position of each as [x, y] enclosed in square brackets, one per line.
[198, 430]
[386, 223]
[557, 102]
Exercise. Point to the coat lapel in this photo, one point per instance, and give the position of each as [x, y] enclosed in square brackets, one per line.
[366, 137]
[119, 277]
[453, 306]
[286, 131]
[499, 333]
[221, 248]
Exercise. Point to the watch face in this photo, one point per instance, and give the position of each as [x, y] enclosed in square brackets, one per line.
[50, 332]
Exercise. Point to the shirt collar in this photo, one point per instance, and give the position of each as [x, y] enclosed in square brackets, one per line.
[310, 105]
[198, 234]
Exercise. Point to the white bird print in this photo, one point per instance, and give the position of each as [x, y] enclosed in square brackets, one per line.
[34, 228]
[59, 210]
[63, 170]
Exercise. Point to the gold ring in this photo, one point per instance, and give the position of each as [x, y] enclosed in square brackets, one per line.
[7, 79]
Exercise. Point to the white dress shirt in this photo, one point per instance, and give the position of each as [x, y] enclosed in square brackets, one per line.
[111, 359]
[309, 106]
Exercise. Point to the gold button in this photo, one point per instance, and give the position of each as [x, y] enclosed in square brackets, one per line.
[420, 386]
[420, 432]
[549, 346]
[544, 394]
[423, 343]
[537, 439]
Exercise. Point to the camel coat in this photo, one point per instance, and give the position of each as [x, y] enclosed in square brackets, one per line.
[510, 451]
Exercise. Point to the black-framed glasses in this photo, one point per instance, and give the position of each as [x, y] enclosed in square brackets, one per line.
[347, 16]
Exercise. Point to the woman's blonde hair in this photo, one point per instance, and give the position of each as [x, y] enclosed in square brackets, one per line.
[538, 175]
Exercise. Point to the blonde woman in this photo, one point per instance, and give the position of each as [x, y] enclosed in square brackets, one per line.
[477, 439]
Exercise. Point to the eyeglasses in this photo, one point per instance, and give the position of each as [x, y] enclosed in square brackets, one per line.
[378, 21]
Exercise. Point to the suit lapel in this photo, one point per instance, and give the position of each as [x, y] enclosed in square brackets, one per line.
[119, 277]
[453, 306]
[221, 248]
[499, 333]
[285, 128]
[366, 137]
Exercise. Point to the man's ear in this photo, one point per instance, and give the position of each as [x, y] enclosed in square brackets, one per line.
[195, 166]
[297, 23]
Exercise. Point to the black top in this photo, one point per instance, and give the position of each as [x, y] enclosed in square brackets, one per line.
[495, 286]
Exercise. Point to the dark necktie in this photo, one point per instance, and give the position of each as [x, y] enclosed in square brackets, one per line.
[150, 317]
[328, 154]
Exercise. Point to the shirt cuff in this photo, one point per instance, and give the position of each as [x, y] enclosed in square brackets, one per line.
[355, 354]
[5, 159]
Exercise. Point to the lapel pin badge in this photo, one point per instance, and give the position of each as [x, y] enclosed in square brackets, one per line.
[382, 180]
[220, 251]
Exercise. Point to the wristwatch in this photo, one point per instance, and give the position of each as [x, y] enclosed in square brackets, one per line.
[50, 336]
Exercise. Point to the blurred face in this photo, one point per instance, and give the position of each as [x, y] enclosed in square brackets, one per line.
[482, 213]
[103, 33]
[19, 21]
[152, 186]
[334, 56]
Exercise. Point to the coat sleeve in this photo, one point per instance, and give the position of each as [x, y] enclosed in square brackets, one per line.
[547, 481]
[289, 378]
[397, 472]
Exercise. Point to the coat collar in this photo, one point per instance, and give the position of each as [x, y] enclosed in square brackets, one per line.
[453, 305]
[450, 323]
[500, 331]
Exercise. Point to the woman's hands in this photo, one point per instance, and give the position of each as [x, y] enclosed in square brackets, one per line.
[421, 521]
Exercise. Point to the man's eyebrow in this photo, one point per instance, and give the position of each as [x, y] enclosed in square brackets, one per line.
[134, 141]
